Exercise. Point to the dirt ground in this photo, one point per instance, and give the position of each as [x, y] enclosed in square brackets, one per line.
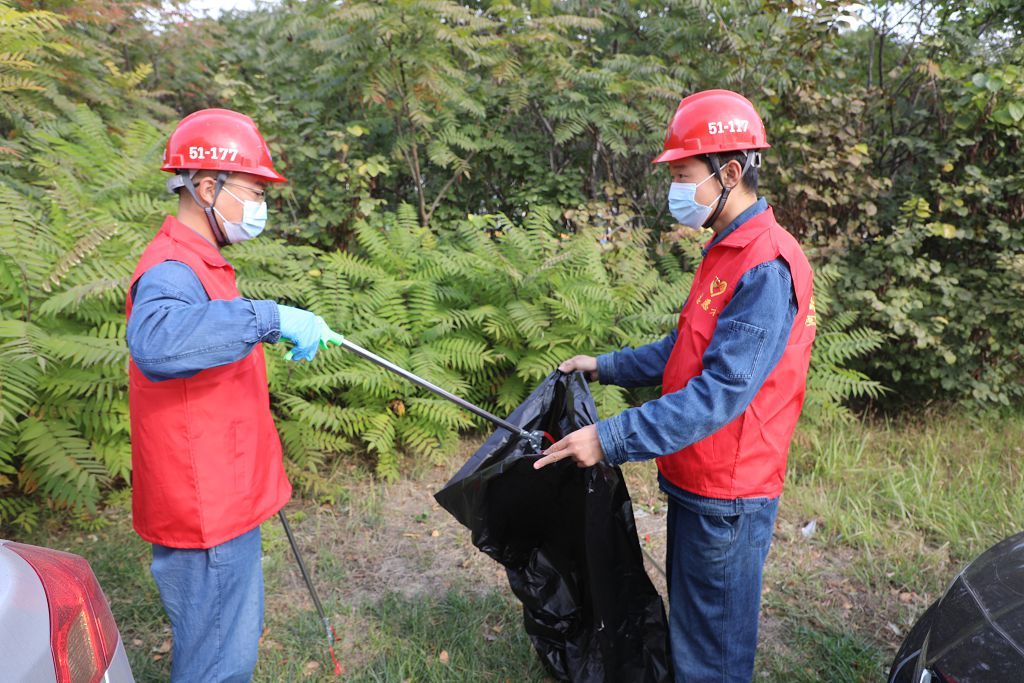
[396, 538]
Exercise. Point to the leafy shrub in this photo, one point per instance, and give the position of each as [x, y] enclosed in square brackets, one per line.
[68, 244]
[942, 275]
[831, 383]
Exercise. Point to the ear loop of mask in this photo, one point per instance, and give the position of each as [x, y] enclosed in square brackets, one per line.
[232, 195]
[222, 176]
[717, 168]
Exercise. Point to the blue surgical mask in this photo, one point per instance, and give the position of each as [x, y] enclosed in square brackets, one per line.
[684, 207]
[254, 219]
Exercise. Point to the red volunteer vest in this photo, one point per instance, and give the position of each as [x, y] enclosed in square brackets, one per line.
[206, 458]
[747, 457]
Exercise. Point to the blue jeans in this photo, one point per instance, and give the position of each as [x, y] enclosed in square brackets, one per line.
[716, 552]
[214, 599]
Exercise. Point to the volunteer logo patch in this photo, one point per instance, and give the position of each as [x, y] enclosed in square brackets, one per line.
[716, 288]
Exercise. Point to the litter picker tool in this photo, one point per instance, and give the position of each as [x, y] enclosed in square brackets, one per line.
[534, 439]
[331, 637]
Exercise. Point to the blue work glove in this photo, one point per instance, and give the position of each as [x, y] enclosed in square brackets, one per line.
[307, 330]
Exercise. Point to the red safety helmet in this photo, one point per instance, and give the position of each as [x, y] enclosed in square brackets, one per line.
[713, 121]
[219, 140]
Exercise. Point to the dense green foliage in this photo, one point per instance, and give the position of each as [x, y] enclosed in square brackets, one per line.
[486, 318]
[76, 194]
[471, 196]
[896, 156]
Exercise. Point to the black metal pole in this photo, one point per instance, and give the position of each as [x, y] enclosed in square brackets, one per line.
[476, 410]
[312, 591]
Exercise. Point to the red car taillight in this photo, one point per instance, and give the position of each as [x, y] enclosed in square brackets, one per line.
[83, 635]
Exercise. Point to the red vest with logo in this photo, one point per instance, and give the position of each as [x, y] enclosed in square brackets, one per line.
[747, 457]
[206, 457]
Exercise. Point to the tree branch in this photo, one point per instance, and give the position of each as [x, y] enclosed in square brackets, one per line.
[444, 190]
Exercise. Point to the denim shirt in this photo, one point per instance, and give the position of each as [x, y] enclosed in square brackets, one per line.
[764, 298]
[175, 330]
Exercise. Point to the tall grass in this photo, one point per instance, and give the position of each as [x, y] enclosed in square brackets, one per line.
[948, 482]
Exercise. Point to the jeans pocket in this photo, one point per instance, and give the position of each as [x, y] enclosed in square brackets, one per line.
[723, 521]
[718, 532]
[218, 555]
[761, 525]
[238, 550]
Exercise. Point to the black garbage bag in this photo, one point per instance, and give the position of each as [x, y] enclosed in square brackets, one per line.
[567, 539]
[973, 633]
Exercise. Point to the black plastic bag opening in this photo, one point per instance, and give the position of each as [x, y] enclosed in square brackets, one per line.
[567, 539]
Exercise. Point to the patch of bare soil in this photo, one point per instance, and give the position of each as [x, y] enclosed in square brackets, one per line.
[396, 538]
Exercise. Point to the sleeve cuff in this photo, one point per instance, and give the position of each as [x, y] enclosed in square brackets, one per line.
[268, 320]
[610, 435]
[606, 368]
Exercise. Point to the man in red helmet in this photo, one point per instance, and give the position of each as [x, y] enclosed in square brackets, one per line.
[733, 376]
[206, 458]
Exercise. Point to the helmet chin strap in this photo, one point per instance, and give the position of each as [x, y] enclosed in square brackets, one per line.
[222, 176]
[716, 166]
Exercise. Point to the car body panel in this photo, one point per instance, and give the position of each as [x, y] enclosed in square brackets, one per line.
[24, 622]
[119, 671]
